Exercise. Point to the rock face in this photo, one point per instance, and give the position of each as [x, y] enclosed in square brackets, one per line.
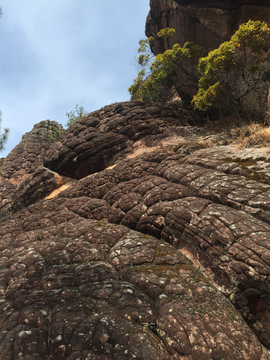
[155, 246]
[206, 23]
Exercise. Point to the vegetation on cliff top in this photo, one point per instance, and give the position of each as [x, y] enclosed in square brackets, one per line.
[225, 78]
[77, 114]
[3, 135]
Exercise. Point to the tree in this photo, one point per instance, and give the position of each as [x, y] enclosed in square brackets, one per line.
[231, 77]
[176, 67]
[234, 74]
[4, 135]
[75, 115]
[146, 44]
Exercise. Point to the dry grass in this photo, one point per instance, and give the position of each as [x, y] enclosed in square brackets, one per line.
[251, 135]
[244, 134]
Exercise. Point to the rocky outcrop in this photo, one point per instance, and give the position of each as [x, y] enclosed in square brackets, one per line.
[33, 147]
[23, 176]
[206, 23]
[105, 136]
[155, 246]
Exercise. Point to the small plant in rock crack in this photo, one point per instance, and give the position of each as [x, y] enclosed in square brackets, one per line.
[74, 116]
[55, 135]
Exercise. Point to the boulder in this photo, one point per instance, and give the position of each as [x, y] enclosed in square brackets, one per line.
[155, 245]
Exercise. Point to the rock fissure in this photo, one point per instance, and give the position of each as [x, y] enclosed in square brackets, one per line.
[204, 26]
[151, 258]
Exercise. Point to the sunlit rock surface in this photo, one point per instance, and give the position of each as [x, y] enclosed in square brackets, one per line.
[132, 238]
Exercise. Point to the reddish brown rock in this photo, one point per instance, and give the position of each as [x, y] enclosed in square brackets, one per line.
[23, 178]
[206, 23]
[104, 136]
[164, 254]
[77, 288]
[26, 157]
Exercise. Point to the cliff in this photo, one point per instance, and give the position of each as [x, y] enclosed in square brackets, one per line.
[135, 234]
[206, 23]
[140, 232]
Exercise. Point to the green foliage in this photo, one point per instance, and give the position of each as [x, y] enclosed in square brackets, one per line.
[55, 135]
[4, 135]
[234, 70]
[134, 89]
[227, 78]
[145, 53]
[175, 67]
[167, 32]
[75, 115]
[251, 35]
[144, 44]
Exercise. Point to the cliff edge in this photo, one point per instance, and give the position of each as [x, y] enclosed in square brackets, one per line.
[206, 23]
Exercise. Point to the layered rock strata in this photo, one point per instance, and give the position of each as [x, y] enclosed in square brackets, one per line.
[156, 247]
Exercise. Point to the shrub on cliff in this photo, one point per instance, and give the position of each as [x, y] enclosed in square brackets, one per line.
[236, 70]
[75, 115]
[227, 78]
[176, 67]
[3, 135]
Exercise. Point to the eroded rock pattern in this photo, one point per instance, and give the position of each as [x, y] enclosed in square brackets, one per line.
[161, 251]
[23, 177]
[104, 136]
[32, 148]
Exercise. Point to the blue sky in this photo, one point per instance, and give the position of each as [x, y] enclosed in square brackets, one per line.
[55, 54]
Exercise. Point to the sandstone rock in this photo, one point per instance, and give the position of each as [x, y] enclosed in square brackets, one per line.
[160, 250]
[206, 23]
[47, 129]
[78, 288]
[104, 136]
[23, 178]
[28, 155]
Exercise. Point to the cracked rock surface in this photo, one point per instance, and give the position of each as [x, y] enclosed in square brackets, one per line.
[131, 239]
